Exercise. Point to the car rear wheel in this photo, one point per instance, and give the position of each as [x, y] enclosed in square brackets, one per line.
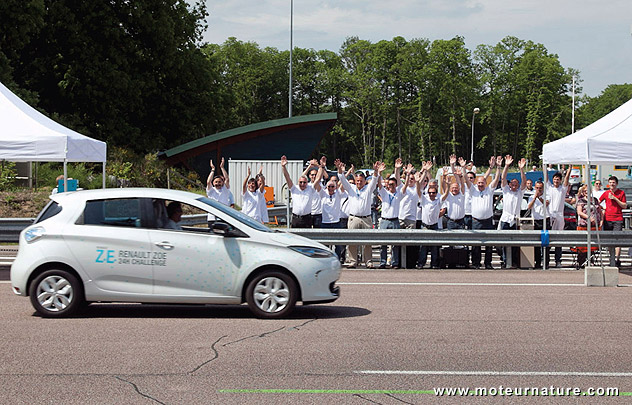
[271, 294]
[56, 294]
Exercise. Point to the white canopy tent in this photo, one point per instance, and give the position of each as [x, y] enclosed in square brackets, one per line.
[605, 141]
[28, 135]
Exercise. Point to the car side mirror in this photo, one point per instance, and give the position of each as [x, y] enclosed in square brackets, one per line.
[221, 228]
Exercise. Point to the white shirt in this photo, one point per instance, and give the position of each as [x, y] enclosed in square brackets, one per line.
[468, 202]
[537, 210]
[597, 194]
[262, 206]
[317, 207]
[250, 204]
[408, 204]
[301, 200]
[344, 205]
[390, 202]
[360, 200]
[455, 205]
[482, 202]
[558, 195]
[512, 202]
[222, 196]
[330, 205]
[430, 209]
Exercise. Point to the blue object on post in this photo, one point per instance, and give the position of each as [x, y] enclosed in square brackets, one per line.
[544, 238]
[72, 185]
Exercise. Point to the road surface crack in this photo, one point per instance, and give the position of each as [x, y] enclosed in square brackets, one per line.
[138, 390]
[215, 356]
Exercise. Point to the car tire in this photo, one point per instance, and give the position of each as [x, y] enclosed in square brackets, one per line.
[56, 294]
[271, 294]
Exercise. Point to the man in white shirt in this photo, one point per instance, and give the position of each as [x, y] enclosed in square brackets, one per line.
[301, 198]
[408, 210]
[482, 210]
[430, 210]
[454, 196]
[218, 189]
[557, 191]
[360, 196]
[391, 195]
[513, 193]
[539, 210]
[262, 205]
[250, 198]
[311, 171]
[331, 199]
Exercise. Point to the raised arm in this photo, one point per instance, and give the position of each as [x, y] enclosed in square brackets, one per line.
[319, 177]
[323, 164]
[523, 177]
[312, 163]
[463, 165]
[398, 167]
[224, 173]
[262, 187]
[508, 162]
[459, 178]
[209, 180]
[288, 180]
[494, 183]
[245, 186]
[380, 169]
[568, 175]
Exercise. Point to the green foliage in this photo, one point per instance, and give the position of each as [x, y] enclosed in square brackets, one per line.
[88, 175]
[594, 108]
[8, 172]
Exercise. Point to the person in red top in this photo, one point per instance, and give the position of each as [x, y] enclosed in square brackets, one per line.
[613, 219]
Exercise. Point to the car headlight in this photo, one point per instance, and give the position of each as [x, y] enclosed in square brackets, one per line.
[34, 234]
[312, 251]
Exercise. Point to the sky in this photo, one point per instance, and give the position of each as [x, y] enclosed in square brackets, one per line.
[592, 36]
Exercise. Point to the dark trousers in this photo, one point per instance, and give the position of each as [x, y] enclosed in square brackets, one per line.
[538, 225]
[434, 250]
[317, 220]
[515, 251]
[343, 224]
[339, 249]
[476, 250]
[301, 221]
[456, 223]
[467, 221]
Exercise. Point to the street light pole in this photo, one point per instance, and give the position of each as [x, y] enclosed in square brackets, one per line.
[476, 111]
[291, 46]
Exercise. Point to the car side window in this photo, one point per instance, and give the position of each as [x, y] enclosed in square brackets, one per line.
[124, 212]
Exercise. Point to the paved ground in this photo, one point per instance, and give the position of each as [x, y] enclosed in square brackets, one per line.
[391, 338]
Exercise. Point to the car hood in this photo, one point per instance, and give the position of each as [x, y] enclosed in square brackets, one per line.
[290, 239]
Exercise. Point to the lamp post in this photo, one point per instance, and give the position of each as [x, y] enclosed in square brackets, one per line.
[291, 46]
[476, 111]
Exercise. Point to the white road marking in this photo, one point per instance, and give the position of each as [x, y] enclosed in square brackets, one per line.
[468, 284]
[498, 373]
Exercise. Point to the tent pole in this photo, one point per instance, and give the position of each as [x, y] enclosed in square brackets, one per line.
[104, 174]
[588, 226]
[65, 175]
[545, 177]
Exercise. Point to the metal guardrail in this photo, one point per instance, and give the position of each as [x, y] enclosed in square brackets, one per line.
[10, 228]
[461, 237]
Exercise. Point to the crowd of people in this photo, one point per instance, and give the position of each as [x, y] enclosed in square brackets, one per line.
[409, 198]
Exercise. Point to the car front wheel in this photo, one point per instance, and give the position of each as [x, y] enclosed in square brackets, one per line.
[271, 294]
[56, 294]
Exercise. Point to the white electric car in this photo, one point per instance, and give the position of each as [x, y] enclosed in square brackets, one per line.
[113, 245]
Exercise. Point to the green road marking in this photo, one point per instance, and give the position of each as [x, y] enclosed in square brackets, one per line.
[299, 391]
[323, 391]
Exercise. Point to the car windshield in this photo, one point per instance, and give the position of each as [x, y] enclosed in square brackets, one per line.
[243, 218]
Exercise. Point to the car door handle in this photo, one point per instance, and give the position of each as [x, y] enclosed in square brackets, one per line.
[165, 245]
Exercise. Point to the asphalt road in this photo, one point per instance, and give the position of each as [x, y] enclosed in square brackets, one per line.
[391, 338]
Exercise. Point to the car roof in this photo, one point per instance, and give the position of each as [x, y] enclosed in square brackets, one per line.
[109, 193]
